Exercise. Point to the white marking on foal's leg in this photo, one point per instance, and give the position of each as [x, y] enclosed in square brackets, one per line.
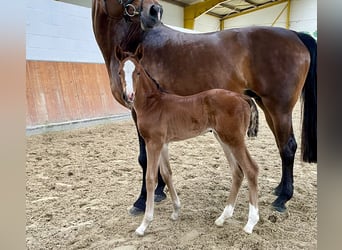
[227, 213]
[176, 209]
[144, 224]
[253, 218]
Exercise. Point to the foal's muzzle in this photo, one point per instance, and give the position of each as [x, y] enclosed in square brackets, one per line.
[129, 99]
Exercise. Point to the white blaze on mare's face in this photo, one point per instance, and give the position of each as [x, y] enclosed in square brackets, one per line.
[129, 69]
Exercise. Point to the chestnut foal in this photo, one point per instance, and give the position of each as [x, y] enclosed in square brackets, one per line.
[164, 117]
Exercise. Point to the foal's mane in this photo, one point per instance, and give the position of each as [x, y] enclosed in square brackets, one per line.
[155, 81]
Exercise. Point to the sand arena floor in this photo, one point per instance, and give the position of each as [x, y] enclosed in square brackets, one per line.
[81, 182]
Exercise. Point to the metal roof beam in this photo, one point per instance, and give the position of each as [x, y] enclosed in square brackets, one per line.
[251, 3]
[232, 7]
[263, 6]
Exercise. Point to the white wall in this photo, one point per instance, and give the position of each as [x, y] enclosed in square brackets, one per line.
[57, 31]
[206, 23]
[304, 16]
[173, 14]
[263, 17]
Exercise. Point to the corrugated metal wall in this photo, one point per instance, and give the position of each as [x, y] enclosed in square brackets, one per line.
[66, 91]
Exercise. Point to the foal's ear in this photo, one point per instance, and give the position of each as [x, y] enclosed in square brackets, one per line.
[119, 53]
[139, 52]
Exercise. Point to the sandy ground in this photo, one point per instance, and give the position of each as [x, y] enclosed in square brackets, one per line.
[81, 182]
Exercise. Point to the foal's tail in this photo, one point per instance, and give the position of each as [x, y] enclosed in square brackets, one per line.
[309, 103]
[254, 118]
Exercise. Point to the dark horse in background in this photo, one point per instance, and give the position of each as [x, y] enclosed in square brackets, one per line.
[275, 66]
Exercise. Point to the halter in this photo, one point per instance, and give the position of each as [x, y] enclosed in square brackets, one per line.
[129, 9]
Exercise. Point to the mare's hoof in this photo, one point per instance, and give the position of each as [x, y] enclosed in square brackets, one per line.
[159, 197]
[279, 206]
[277, 191]
[135, 211]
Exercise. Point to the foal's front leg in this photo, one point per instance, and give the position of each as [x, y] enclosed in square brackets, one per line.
[153, 156]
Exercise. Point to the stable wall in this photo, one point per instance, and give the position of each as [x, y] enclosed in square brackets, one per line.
[64, 91]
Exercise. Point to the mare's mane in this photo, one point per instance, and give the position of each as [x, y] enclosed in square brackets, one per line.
[133, 37]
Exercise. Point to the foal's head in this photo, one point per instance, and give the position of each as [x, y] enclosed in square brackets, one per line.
[129, 72]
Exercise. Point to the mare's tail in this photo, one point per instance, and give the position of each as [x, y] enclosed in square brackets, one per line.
[309, 103]
[254, 118]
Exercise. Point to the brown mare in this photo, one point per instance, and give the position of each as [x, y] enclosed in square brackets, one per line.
[273, 65]
[164, 117]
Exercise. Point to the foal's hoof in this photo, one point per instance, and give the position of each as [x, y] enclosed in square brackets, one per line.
[140, 232]
[135, 211]
[279, 205]
[159, 197]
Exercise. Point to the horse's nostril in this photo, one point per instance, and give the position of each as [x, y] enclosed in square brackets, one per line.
[155, 10]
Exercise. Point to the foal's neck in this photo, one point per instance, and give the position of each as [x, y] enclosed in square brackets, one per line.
[148, 93]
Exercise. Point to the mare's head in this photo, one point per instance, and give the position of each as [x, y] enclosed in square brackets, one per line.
[151, 14]
[129, 72]
[148, 12]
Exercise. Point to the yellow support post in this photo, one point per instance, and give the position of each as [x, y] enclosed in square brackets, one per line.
[189, 23]
[288, 14]
[221, 24]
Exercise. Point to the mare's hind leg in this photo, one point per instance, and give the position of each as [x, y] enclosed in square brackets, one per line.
[166, 173]
[281, 125]
[287, 148]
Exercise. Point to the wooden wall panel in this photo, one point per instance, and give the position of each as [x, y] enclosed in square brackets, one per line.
[66, 91]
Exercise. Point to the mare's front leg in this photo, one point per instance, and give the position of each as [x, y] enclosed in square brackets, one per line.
[140, 204]
[153, 155]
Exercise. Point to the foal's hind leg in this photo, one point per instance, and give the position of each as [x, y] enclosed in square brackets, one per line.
[237, 176]
[166, 173]
[250, 169]
[241, 163]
